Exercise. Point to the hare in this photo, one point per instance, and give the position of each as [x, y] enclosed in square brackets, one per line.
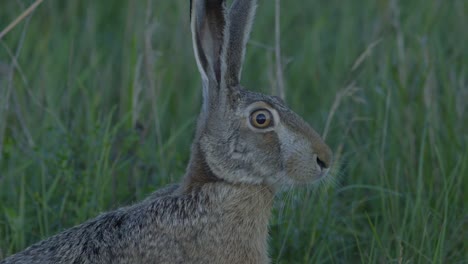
[246, 147]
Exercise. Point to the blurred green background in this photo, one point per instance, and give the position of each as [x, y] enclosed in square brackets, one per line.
[98, 102]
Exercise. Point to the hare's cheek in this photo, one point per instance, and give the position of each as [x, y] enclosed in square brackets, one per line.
[269, 143]
[296, 169]
[299, 166]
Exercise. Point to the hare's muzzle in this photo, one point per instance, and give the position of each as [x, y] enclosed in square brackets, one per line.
[323, 157]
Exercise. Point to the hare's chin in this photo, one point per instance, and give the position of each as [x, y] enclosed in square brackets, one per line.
[312, 179]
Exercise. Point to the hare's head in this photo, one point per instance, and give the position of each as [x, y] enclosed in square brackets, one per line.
[243, 136]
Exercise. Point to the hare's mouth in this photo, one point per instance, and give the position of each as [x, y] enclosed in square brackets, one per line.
[306, 178]
[324, 173]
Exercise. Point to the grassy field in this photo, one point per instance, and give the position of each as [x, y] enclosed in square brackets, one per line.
[98, 102]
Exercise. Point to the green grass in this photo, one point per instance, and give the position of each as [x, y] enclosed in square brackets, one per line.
[100, 110]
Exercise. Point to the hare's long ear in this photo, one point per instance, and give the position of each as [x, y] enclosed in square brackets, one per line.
[239, 25]
[207, 25]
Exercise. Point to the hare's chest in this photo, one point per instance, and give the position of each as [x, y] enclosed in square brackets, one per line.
[235, 242]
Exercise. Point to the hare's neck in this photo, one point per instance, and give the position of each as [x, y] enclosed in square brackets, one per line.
[248, 205]
[200, 177]
[198, 172]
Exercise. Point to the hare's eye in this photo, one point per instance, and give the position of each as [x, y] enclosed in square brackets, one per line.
[261, 118]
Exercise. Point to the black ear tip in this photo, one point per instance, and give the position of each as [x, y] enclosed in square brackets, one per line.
[190, 10]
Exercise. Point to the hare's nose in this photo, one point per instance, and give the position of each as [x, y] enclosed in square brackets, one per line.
[324, 158]
[321, 163]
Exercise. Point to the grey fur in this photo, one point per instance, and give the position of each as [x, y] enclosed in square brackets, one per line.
[219, 213]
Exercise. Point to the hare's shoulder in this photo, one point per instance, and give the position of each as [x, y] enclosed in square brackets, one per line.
[101, 238]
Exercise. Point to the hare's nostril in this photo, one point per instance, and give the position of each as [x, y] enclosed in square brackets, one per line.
[322, 164]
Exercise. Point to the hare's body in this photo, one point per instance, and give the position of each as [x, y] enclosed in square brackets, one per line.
[247, 146]
[217, 223]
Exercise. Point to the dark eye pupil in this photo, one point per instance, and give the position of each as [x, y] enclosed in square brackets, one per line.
[261, 119]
